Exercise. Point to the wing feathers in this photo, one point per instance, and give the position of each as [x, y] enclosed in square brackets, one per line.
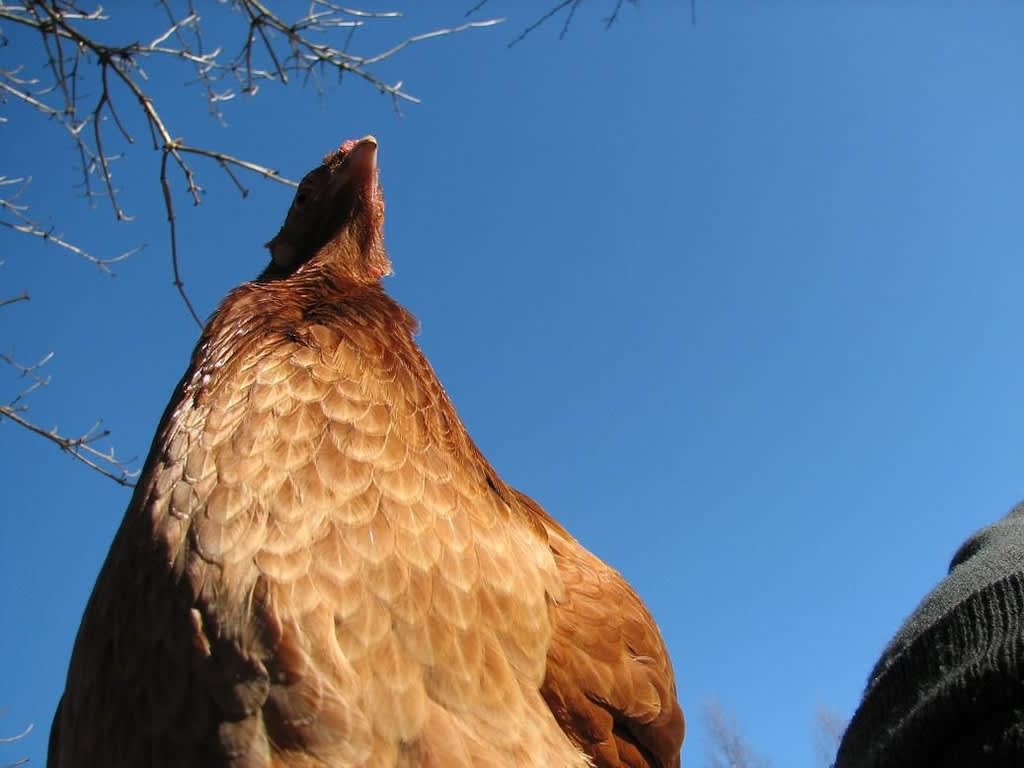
[319, 568]
[609, 680]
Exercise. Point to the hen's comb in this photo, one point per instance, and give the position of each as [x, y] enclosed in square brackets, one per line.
[336, 156]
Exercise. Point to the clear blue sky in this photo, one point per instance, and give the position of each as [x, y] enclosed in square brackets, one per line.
[740, 305]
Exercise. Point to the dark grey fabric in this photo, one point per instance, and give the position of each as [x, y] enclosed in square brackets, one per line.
[949, 688]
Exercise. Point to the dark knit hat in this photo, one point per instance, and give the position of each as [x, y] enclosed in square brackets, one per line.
[949, 689]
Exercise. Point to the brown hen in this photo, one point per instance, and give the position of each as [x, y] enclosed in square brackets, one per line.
[319, 567]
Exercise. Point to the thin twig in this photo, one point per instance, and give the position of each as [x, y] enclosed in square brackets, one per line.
[23, 296]
[225, 159]
[14, 739]
[545, 17]
[428, 36]
[169, 208]
[610, 20]
[17, 737]
[29, 372]
[77, 447]
[573, 6]
[81, 447]
[25, 225]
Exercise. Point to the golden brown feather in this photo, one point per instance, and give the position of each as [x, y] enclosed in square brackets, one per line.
[319, 568]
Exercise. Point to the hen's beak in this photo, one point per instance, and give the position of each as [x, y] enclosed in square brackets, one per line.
[365, 152]
[359, 168]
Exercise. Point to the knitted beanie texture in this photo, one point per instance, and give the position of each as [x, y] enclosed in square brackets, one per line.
[949, 688]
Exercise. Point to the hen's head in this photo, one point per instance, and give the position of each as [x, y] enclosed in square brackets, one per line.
[336, 217]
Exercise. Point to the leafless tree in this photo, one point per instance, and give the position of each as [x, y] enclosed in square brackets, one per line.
[828, 732]
[729, 749]
[726, 746]
[97, 91]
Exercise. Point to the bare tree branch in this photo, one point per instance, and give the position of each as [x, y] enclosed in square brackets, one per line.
[23, 296]
[17, 736]
[102, 93]
[169, 207]
[571, 7]
[19, 221]
[298, 47]
[28, 371]
[82, 447]
[371, 60]
[13, 740]
[79, 447]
